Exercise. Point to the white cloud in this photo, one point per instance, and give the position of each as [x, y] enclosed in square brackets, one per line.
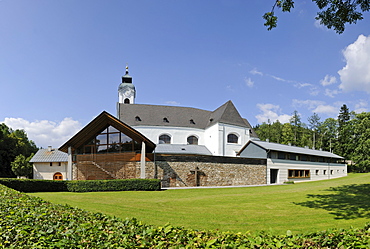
[279, 79]
[326, 109]
[45, 132]
[361, 106]
[355, 75]
[271, 112]
[328, 80]
[317, 106]
[331, 93]
[248, 82]
[311, 104]
[254, 71]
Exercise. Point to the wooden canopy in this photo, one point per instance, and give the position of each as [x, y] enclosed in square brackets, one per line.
[100, 123]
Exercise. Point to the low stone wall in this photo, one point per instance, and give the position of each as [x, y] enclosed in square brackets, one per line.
[181, 171]
[174, 171]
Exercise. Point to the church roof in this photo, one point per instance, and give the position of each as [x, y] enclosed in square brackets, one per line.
[176, 116]
[100, 123]
[49, 155]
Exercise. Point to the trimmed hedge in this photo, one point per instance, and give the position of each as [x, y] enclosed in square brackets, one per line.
[30, 185]
[114, 185]
[30, 222]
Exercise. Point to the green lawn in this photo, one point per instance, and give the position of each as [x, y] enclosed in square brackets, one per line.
[303, 207]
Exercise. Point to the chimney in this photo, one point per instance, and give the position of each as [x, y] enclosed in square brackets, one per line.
[50, 148]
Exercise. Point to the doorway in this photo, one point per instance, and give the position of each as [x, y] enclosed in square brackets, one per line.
[273, 175]
[58, 176]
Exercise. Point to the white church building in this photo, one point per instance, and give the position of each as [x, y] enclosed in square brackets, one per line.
[221, 132]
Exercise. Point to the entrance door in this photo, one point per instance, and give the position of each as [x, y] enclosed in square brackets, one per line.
[58, 176]
[273, 175]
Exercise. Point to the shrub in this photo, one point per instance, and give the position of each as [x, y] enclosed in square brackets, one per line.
[114, 185]
[29, 185]
[30, 222]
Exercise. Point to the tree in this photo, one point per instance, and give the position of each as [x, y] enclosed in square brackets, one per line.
[328, 131]
[287, 135]
[345, 132]
[333, 13]
[314, 123]
[21, 166]
[361, 145]
[13, 143]
[295, 121]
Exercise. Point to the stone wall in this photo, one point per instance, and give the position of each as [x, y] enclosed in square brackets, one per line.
[174, 171]
[181, 171]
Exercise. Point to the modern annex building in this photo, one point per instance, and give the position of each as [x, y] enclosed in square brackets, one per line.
[182, 146]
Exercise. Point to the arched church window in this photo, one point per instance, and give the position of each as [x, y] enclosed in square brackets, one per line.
[58, 176]
[192, 140]
[126, 101]
[164, 139]
[232, 139]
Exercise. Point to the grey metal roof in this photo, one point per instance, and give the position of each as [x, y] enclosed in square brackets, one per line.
[176, 116]
[46, 155]
[291, 149]
[182, 149]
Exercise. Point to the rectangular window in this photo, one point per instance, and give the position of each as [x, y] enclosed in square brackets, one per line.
[317, 172]
[281, 155]
[293, 157]
[51, 164]
[298, 173]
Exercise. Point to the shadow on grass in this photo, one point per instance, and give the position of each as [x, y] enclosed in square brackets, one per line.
[345, 202]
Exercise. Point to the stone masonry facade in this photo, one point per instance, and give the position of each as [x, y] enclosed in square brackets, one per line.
[188, 171]
[176, 171]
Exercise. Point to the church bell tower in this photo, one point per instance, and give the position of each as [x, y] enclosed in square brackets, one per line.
[126, 90]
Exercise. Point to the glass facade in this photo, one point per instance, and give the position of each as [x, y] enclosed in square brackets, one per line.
[110, 140]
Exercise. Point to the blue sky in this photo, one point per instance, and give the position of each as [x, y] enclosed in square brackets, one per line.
[61, 61]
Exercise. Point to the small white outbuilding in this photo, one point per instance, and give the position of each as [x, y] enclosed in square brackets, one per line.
[50, 164]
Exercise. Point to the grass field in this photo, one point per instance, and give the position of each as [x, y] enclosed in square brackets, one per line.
[302, 207]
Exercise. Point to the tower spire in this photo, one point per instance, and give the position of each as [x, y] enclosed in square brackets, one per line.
[126, 90]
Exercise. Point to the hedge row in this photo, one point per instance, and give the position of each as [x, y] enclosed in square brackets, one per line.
[29, 185]
[30, 222]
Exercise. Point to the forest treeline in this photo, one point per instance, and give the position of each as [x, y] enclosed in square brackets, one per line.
[13, 143]
[347, 136]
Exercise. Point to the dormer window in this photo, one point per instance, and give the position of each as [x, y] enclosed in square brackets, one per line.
[137, 118]
[192, 121]
[165, 120]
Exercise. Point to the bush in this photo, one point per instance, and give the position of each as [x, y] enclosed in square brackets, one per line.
[30, 222]
[29, 185]
[114, 185]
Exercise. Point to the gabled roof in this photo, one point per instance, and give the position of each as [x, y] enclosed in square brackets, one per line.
[100, 123]
[176, 116]
[288, 148]
[46, 156]
[188, 149]
[228, 114]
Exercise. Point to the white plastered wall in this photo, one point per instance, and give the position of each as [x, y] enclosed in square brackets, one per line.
[44, 171]
[318, 171]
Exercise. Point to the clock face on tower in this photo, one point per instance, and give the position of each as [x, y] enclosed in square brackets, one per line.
[127, 91]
